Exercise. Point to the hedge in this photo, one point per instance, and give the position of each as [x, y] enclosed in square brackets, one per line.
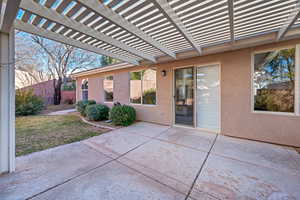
[122, 115]
[81, 105]
[97, 112]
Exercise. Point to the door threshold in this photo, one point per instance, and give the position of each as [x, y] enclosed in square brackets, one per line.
[195, 128]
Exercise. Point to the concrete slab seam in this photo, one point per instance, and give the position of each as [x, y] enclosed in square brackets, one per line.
[200, 170]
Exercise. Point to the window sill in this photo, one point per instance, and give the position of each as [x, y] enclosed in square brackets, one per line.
[275, 113]
[147, 105]
[110, 102]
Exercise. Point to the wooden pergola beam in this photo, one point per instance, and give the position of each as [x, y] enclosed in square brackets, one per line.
[231, 19]
[7, 18]
[294, 15]
[52, 15]
[99, 8]
[170, 14]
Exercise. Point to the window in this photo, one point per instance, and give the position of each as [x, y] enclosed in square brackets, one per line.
[108, 85]
[274, 81]
[143, 87]
[85, 89]
[136, 87]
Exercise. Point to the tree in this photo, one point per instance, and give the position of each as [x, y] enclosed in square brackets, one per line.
[28, 70]
[54, 60]
[105, 60]
[29, 76]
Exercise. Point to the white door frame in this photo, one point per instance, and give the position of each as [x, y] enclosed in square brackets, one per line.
[195, 97]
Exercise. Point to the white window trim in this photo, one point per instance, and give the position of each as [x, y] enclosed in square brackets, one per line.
[141, 104]
[105, 101]
[297, 76]
[297, 80]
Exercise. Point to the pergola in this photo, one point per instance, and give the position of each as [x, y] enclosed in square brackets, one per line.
[139, 32]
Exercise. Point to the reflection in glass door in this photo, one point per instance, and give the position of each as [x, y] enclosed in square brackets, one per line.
[184, 96]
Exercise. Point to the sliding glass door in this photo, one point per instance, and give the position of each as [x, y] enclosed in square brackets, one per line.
[205, 112]
[184, 96]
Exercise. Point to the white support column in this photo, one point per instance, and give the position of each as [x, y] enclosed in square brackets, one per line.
[7, 102]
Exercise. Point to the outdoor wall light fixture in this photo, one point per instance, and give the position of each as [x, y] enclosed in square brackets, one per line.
[164, 73]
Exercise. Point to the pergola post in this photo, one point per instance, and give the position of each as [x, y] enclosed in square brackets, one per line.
[7, 102]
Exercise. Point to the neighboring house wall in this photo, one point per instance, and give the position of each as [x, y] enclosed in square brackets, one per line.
[45, 90]
[68, 96]
[237, 118]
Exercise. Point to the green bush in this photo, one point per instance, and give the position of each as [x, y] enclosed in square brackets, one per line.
[81, 105]
[122, 115]
[27, 103]
[97, 112]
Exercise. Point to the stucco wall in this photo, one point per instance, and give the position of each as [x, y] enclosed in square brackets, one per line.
[95, 89]
[237, 118]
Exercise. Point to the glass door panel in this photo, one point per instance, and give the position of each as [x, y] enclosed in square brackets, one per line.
[184, 96]
[208, 98]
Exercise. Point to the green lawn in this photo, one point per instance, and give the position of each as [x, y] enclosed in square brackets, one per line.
[36, 133]
[54, 108]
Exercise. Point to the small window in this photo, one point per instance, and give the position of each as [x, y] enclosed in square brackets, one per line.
[108, 85]
[143, 87]
[85, 89]
[274, 81]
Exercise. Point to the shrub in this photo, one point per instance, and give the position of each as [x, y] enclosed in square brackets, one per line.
[122, 115]
[97, 112]
[81, 105]
[27, 103]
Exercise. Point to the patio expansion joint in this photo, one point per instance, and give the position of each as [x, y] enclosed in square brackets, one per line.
[156, 180]
[200, 170]
[182, 145]
[294, 173]
[89, 171]
[156, 137]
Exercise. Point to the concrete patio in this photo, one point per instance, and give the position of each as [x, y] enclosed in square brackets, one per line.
[148, 161]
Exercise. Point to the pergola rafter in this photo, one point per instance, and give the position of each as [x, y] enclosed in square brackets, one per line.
[231, 19]
[294, 15]
[110, 15]
[10, 11]
[41, 11]
[164, 6]
[65, 40]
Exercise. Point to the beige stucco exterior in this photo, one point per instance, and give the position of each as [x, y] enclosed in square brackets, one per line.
[237, 118]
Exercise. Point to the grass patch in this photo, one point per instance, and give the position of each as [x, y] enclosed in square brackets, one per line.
[36, 133]
[54, 108]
